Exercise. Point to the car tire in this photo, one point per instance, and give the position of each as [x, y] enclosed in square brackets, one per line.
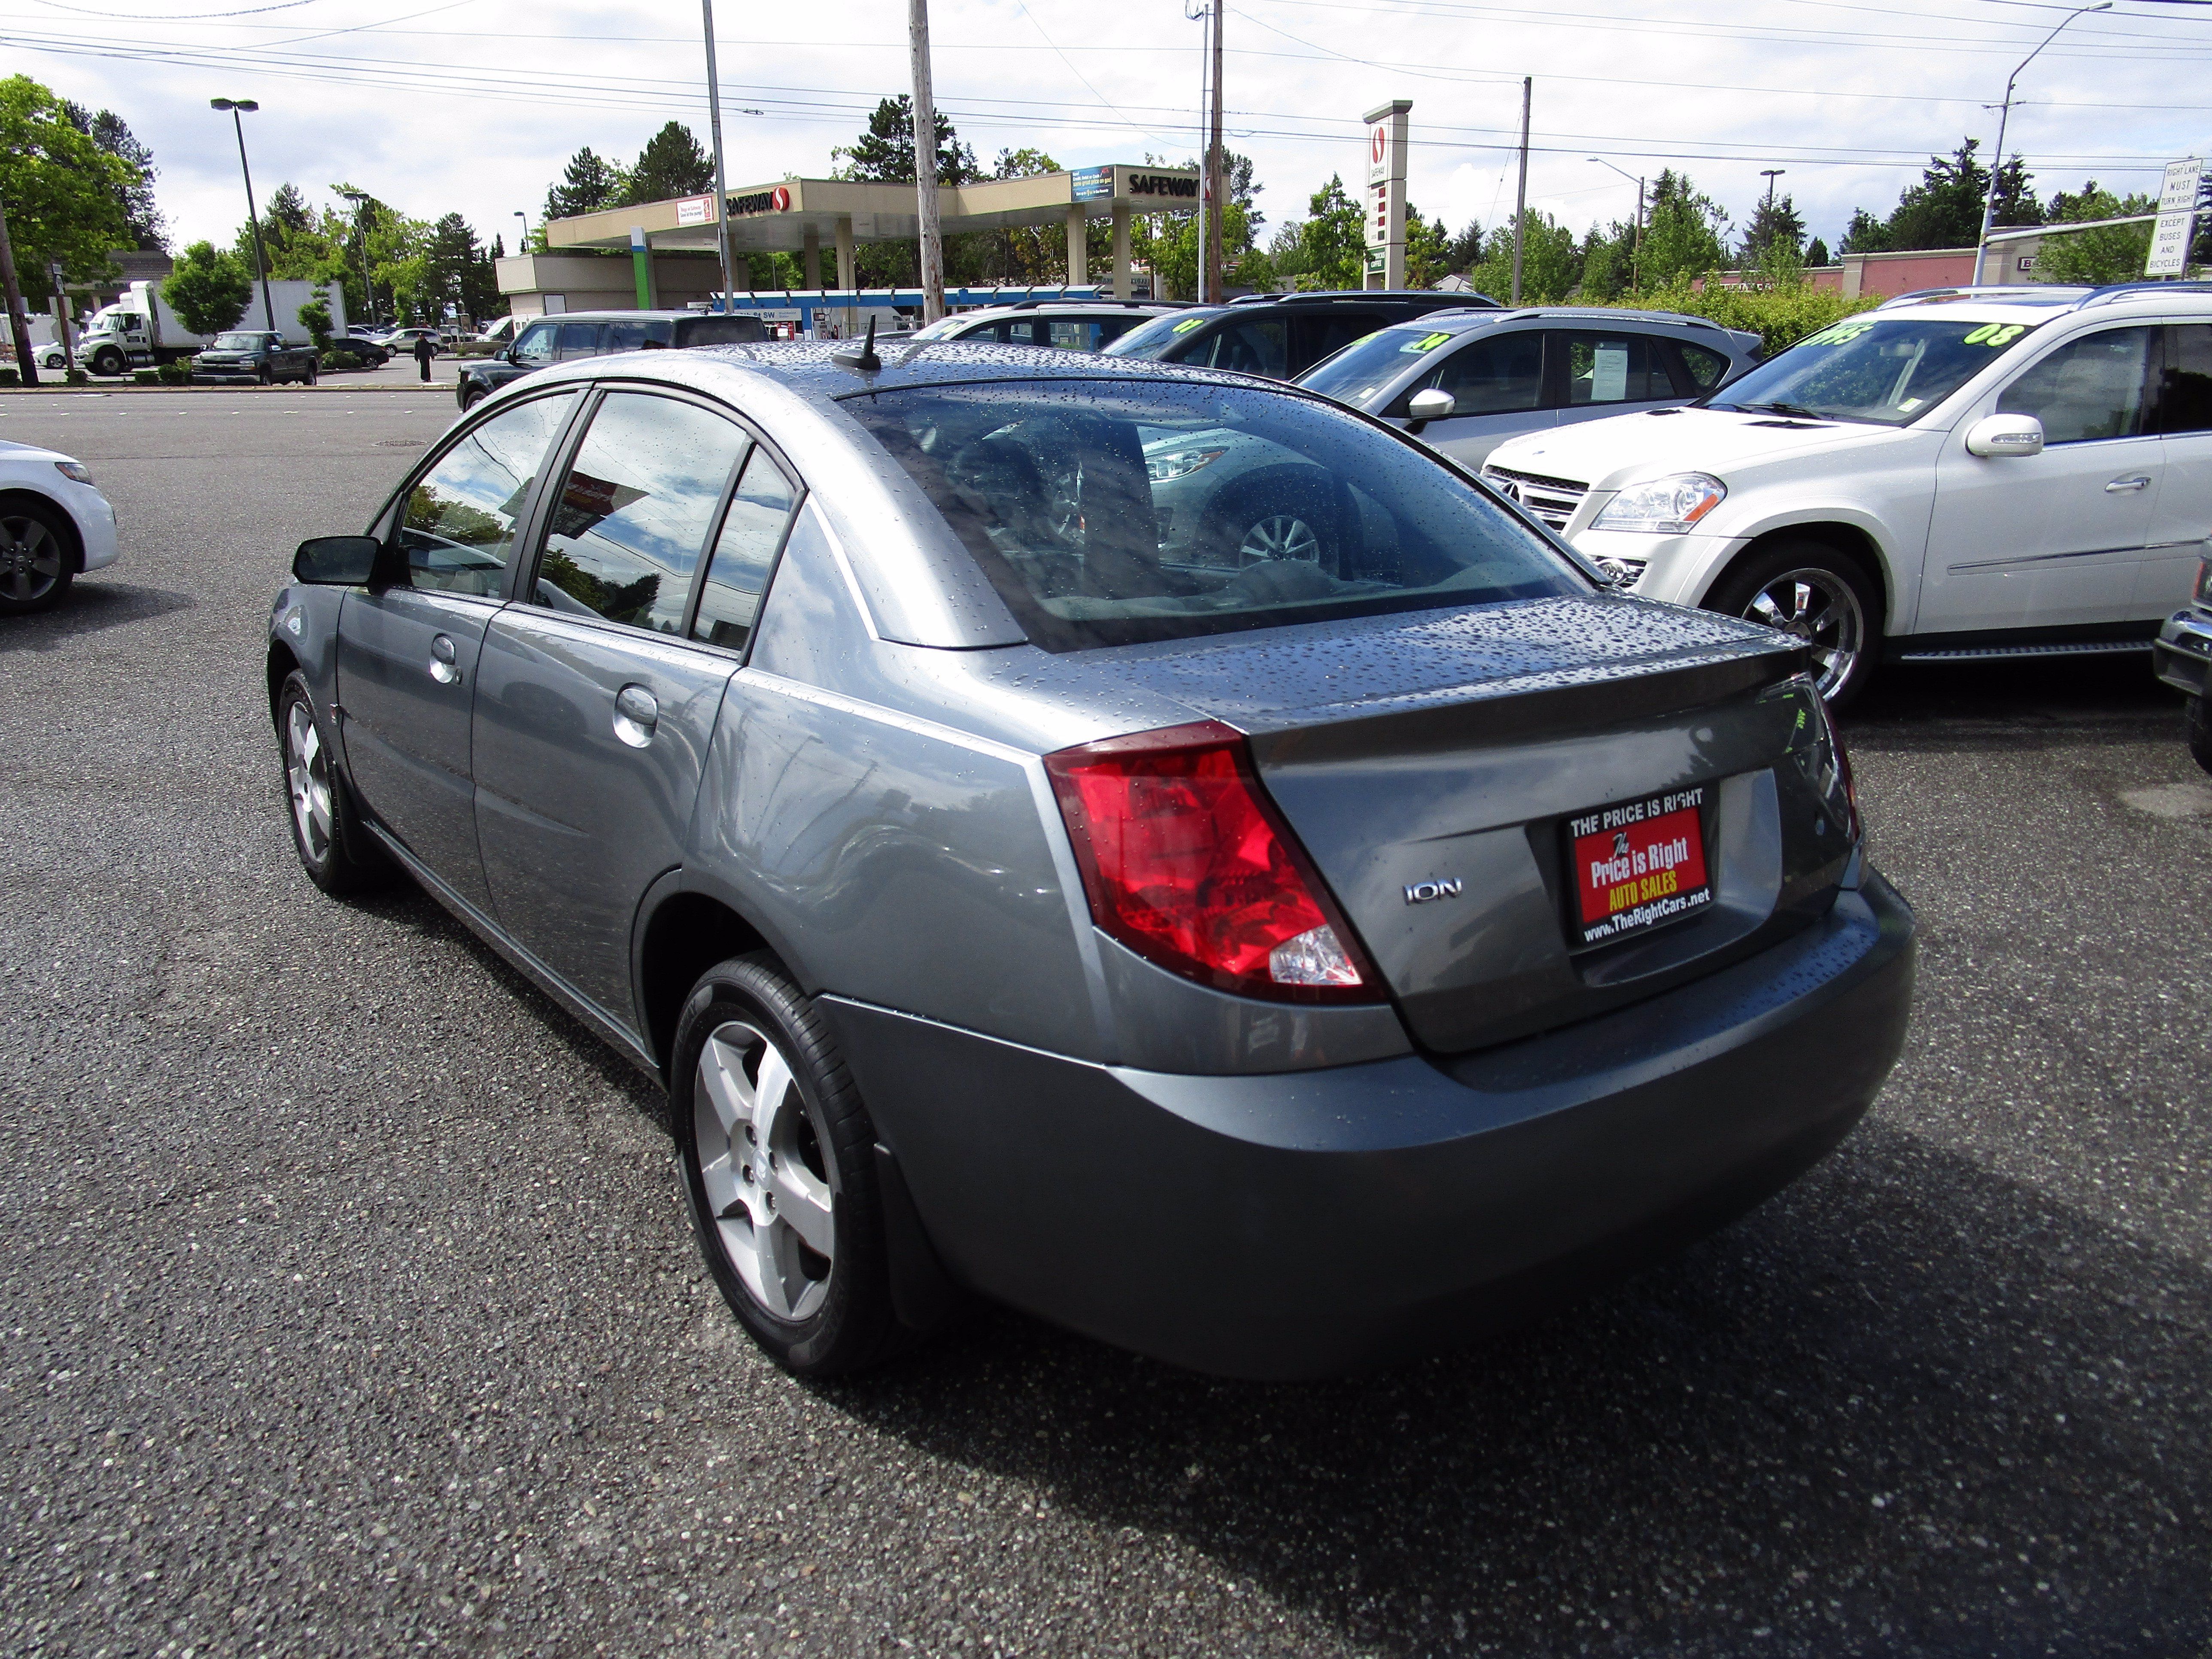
[339, 855]
[763, 1110]
[108, 360]
[472, 395]
[37, 564]
[267, 376]
[1810, 591]
[308, 378]
[2200, 731]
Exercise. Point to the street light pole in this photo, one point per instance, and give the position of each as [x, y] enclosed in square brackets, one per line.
[1771, 174]
[925, 163]
[722, 173]
[1635, 236]
[1521, 195]
[2004, 114]
[360, 199]
[238, 107]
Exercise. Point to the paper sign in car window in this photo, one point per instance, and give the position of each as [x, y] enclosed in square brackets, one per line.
[1426, 342]
[1609, 377]
[1186, 324]
[1839, 334]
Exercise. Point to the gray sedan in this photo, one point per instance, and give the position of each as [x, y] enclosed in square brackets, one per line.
[1465, 381]
[1277, 964]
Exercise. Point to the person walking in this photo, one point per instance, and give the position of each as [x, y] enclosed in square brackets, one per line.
[424, 350]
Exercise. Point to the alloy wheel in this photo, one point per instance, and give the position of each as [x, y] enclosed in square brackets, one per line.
[1283, 535]
[768, 1181]
[307, 771]
[30, 559]
[1818, 607]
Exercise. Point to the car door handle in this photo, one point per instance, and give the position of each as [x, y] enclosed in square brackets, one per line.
[2122, 486]
[441, 661]
[636, 711]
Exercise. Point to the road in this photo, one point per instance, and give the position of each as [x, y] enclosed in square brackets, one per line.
[349, 1305]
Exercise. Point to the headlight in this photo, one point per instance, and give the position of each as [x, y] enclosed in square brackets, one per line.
[76, 470]
[1663, 505]
[2204, 582]
[1179, 464]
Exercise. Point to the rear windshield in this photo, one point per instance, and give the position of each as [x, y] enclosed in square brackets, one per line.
[1109, 514]
[719, 331]
[1372, 363]
[1889, 371]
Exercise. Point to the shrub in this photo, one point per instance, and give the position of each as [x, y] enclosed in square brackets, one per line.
[208, 290]
[146, 376]
[340, 360]
[174, 374]
[10, 376]
[1780, 313]
[315, 318]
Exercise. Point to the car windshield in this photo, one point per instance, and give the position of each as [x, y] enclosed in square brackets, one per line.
[1158, 337]
[1880, 369]
[237, 341]
[1109, 514]
[945, 326]
[1372, 363]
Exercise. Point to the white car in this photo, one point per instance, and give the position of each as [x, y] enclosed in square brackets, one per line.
[53, 525]
[2005, 472]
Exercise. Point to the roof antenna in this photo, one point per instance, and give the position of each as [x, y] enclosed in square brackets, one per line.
[868, 360]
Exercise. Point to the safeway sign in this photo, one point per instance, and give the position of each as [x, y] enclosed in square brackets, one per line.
[2177, 220]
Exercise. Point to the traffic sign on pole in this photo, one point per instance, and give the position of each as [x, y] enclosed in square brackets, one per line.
[2177, 220]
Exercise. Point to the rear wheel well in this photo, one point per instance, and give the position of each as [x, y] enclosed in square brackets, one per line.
[72, 543]
[688, 934]
[1848, 540]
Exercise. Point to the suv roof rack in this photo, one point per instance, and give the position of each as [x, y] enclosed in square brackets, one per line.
[1357, 295]
[2111, 291]
[2017, 293]
[1031, 305]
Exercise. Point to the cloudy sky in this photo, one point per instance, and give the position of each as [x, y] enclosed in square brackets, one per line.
[475, 104]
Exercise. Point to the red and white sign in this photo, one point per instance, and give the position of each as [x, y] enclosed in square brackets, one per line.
[780, 199]
[694, 210]
[1378, 155]
[1637, 865]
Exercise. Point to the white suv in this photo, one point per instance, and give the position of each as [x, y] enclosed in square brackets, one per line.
[1964, 473]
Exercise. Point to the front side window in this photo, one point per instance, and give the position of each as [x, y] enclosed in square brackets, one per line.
[634, 335]
[736, 575]
[1886, 370]
[457, 527]
[2088, 389]
[1107, 514]
[1252, 345]
[1494, 374]
[634, 511]
[535, 348]
[1611, 368]
[2184, 384]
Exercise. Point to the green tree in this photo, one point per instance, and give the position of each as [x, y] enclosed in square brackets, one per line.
[2111, 253]
[1682, 232]
[111, 135]
[208, 290]
[1428, 250]
[64, 195]
[1944, 210]
[1775, 224]
[1328, 249]
[672, 164]
[1864, 234]
[884, 152]
[2016, 193]
[589, 184]
[315, 318]
[1816, 254]
[1466, 250]
[1551, 263]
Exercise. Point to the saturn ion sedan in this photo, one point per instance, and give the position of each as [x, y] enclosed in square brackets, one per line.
[1278, 961]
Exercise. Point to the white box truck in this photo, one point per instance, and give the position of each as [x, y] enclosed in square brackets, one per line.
[140, 329]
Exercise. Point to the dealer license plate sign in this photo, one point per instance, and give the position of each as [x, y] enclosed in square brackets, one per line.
[1637, 865]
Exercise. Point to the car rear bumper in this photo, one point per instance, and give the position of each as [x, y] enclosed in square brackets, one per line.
[1311, 1223]
[2182, 656]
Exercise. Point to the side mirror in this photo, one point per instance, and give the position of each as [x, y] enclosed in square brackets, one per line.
[1996, 435]
[506, 354]
[337, 560]
[1432, 404]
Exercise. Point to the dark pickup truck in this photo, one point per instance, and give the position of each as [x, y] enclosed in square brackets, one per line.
[253, 354]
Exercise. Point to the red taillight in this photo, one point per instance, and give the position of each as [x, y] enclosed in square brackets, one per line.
[1186, 862]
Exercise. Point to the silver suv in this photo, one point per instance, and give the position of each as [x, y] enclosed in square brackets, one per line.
[1066, 325]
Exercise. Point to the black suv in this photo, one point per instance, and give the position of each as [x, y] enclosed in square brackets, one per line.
[576, 334]
[1280, 336]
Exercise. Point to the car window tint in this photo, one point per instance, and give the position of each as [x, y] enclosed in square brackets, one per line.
[1016, 330]
[535, 347]
[1255, 346]
[736, 575]
[2088, 389]
[634, 511]
[1071, 334]
[458, 528]
[1707, 368]
[1107, 514]
[719, 331]
[1332, 330]
[1111, 329]
[1492, 374]
[1611, 368]
[579, 339]
[633, 334]
[2185, 388]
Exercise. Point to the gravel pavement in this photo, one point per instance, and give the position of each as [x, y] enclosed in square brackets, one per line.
[347, 1304]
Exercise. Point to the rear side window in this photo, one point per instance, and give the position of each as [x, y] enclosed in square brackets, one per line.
[456, 527]
[634, 336]
[752, 531]
[2088, 389]
[1707, 368]
[579, 339]
[1330, 332]
[1107, 514]
[2185, 386]
[1611, 368]
[634, 511]
[719, 331]
[1254, 345]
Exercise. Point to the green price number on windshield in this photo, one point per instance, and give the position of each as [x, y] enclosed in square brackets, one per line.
[1997, 334]
[1186, 324]
[1426, 342]
[1839, 334]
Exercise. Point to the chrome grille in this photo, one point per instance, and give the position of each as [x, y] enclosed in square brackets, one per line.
[1552, 500]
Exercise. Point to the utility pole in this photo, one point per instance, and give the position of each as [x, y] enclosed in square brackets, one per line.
[61, 313]
[1204, 15]
[722, 173]
[18, 322]
[360, 199]
[1521, 196]
[925, 163]
[1212, 204]
[252, 213]
[2004, 114]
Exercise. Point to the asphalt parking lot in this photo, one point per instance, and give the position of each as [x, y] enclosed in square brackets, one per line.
[347, 1303]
